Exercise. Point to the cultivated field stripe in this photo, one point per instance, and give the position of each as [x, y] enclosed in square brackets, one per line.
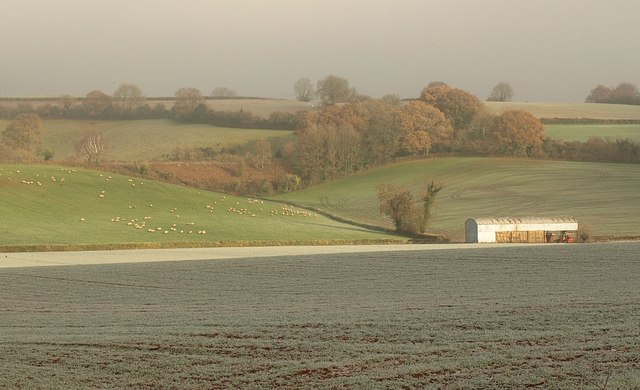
[40, 259]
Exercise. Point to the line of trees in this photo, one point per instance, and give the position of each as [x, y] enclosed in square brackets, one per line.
[190, 107]
[338, 139]
[341, 139]
[624, 93]
[502, 92]
[330, 90]
[129, 102]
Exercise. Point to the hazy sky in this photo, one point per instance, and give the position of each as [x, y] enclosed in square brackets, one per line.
[548, 50]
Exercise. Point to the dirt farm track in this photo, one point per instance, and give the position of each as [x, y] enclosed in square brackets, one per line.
[408, 316]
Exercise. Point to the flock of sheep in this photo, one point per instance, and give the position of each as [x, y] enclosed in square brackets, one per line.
[254, 208]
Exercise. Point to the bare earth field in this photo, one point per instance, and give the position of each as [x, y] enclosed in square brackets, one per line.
[466, 316]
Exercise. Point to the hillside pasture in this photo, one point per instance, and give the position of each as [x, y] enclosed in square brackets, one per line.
[582, 132]
[145, 140]
[261, 107]
[46, 205]
[545, 316]
[604, 196]
[569, 110]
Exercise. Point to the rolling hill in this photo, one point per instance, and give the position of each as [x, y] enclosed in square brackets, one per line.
[603, 196]
[144, 140]
[155, 139]
[582, 132]
[47, 205]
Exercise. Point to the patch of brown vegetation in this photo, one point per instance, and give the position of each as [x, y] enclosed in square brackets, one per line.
[233, 177]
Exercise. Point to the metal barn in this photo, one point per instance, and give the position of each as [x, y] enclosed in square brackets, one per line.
[521, 229]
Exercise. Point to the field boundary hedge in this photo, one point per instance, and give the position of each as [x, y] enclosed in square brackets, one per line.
[190, 244]
[588, 121]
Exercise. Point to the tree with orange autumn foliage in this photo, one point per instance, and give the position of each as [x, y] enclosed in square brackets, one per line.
[458, 106]
[517, 133]
[336, 115]
[421, 126]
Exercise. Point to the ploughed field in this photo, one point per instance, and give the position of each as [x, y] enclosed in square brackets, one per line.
[549, 316]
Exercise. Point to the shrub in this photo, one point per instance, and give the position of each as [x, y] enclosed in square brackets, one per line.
[584, 233]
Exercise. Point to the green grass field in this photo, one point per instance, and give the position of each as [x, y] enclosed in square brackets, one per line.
[604, 196]
[545, 316]
[52, 205]
[144, 140]
[261, 107]
[582, 133]
[73, 209]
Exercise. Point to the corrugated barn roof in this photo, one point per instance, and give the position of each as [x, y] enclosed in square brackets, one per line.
[523, 220]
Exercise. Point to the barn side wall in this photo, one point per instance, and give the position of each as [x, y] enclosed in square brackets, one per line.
[487, 233]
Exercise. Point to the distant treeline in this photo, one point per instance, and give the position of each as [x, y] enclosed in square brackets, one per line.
[588, 121]
[244, 119]
[337, 140]
[87, 108]
[624, 93]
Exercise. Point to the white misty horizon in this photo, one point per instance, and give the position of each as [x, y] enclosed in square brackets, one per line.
[546, 50]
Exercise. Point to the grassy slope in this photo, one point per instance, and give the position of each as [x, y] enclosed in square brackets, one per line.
[260, 107]
[582, 132]
[53, 212]
[605, 196]
[144, 140]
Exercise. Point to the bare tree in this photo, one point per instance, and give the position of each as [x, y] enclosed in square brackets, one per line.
[187, 99]
[223, 92]
[502, 92]
[24, 136]
[127, 98]
[303, 90]
[263, 151]
[334, 89]
[92, 146]
[397, 203]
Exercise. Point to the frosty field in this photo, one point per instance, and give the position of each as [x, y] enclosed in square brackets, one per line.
[549, 316]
